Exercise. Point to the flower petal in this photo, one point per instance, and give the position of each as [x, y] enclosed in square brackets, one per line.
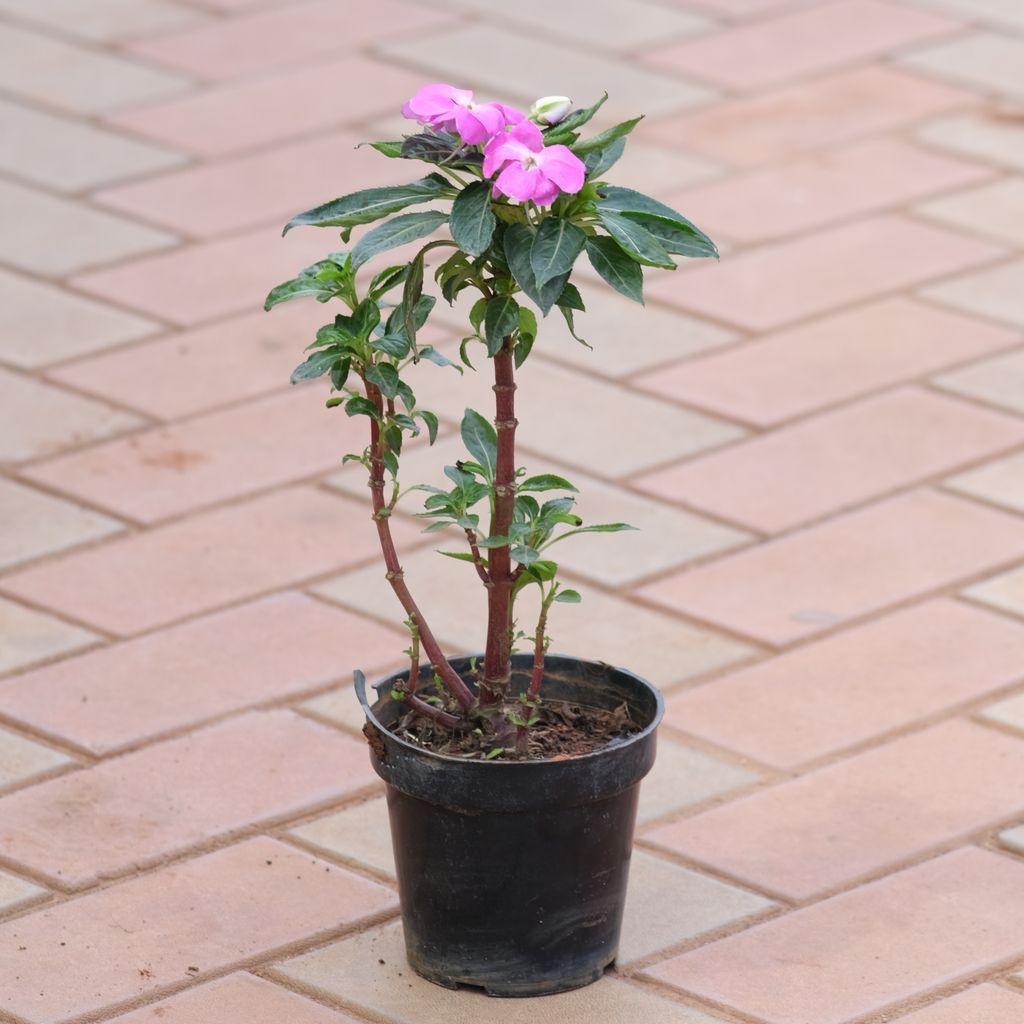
[563, 167]
[520, 183]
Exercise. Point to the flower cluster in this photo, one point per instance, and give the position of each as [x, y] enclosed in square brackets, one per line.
[513, 145]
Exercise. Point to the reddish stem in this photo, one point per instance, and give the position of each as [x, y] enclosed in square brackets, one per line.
[478, 561]
[498, 652]
[395, 576]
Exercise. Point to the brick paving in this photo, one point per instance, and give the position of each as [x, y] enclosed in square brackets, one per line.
[822, 438]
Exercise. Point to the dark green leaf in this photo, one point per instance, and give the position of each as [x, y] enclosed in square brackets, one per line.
[571, 298]
[608, 259]
[668, 225]
[339, 373]
[462, 556]
[518, 243]
[299, 288]
[492, 542]
[472, 220]
[386, 279]
[315, 366]
[385, 376]
[411, 295]
[371, 204]
[405, 393]
[545, 482]
[406, 228]
[676, 238]
[396, 345]
[597, 161]
[568, 596]
[430, 420]
[440, 148]
[555, 248]
[635, 240]
[609, 135]
[359, 406]
[501, 319]
[431, 354]
[481, 441]
[570, 322]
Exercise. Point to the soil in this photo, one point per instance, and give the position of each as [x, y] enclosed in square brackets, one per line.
[564, 731]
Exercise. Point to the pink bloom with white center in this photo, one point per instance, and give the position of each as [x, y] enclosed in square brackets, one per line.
[449, 109]
[531, 170]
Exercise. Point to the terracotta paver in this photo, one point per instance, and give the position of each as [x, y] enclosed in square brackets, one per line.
[391, 992]
[191, 371]
[134, 810]
[257, 896]
[28, 636]
[830, 962]
[830, 360]
[778, 124]
[41, 324]
[776, 284]
[823, 187]
[268, 649]
[830, 694]
[266, 109]
[263, 40]
[67, 154]
[856, 817]
[987, 60]
[986, 1004]
[834, 460]
[238, 997]
[794, 45]
[205, 201]
[197, 564]
[819, 438]
[173, 469]
[33, 523]
[850, 565]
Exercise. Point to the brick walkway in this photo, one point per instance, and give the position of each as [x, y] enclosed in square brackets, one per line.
[822, 438]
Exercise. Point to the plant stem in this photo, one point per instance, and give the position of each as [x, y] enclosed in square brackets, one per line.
[539, 650]
[481, 568]
[498, 652]
[395, 576]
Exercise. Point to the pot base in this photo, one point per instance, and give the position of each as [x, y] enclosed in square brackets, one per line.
[506, 989]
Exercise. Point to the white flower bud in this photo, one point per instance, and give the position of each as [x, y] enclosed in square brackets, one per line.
[550, 109]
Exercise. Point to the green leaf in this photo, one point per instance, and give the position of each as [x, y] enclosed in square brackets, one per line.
[545, 482]
[385, 376]
[462, 556]
[431, 354]
[440, 148]
[339, 373]
[430, 420]
[568, 596]
[608, 259]
[609, 135]
[635, 240]
[299, 288]
[501, 319]
[386, 279]
[481, 441]
[391, 149]
[518, 244]
[371, 204]
[406, 228]
[557, 244]
[527, 322]
[571, 298]
[315, 366]
[570, 322]
[359, 406]
[597, 161]
[332, 403]
[395, 345]
[666, 224]
[411, 295]
[472, 220]
[524, 554]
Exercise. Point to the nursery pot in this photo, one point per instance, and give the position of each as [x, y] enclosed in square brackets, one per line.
[512, 874]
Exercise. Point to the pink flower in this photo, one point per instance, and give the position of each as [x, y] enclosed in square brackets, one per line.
[531, 170]
[449, 109]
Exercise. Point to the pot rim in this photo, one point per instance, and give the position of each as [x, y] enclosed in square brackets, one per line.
[637, 737]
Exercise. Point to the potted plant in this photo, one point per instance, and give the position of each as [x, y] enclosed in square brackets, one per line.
[512, 778]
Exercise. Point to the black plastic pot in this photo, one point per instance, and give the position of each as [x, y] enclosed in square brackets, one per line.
[512, 874]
